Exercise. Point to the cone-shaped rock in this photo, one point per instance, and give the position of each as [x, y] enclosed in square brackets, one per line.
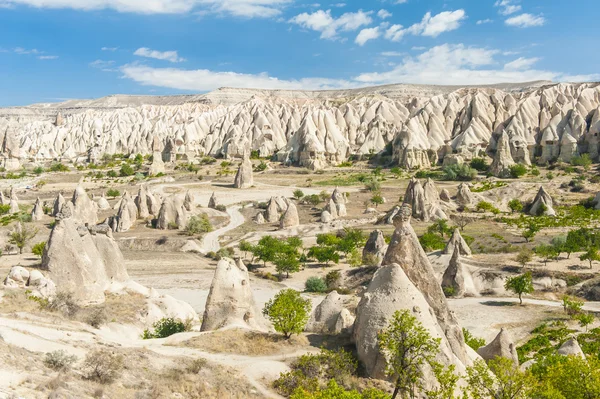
[259, 218]
[375, 247]
[457, 242]
[454, 276]
[84, 209]
[38, 211]
[290, 218]
[188, 202]
[212, 202]
[332, 209]
[14, 202]
[571, 348]
[445, 195]
[141, 203]
[244, 177]
[58, 204]
[103, 203]
[503, 159]
[464, 197]
[542, 204]
[501, 346]
[272, 212]
[325, 316]
[230, 300]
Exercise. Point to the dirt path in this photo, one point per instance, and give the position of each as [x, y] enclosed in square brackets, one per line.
[210, 243]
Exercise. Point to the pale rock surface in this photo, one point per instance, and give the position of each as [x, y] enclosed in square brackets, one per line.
[59, 202]
[14, 202]
[244, 177]
[84, 209]
[571, 348]
[457, 279]
[141, 202]
[464, 196]
[325, 316]
[326, 217]
[172, 213]
[290, 218]
[375, 247]
[37, 212]
[344, 323]
[259, 218]
[445, 195]
[502, 346]
[17, 277]
[542, 199]
[503, 159]
[103, 203]
[272, 212]
[230, 300]
[188, 202]
[457, 242]
[212, 202]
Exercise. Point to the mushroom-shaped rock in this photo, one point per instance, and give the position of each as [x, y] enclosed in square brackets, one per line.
[464, 197]
[457, 242]
[375, 248]
[230, 300]
[212, 202]
[325, 316]
[501, 346]
[542, 204]
[290, 218]
[571, 348]
[38, 211]
[244, 177]
[503, 159]
[58, 204]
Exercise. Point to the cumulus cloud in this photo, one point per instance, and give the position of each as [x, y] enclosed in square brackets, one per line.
[431, 26]
[170, 56]
[109, 48]
[242, 8]
[329, 26]
[507, 7]
[105, 66]
[367, 34]
[525, 21]
[383, 14]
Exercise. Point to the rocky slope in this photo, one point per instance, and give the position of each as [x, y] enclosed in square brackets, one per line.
[422, 124]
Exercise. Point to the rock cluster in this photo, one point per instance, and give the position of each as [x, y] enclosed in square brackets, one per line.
[330, 316]
[172, 214]
[230, 300]
[424, 200]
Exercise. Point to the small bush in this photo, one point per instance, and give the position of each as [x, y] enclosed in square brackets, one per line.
[484, 206]
[113, 193]
[479, 164]
[459, 172]
[198, 224]
[38, 249]
[518, 170]
[97, 317]
[449, 291]
[102, 366]
[59, 360]
[165, 327]
[262, 166]
[474, 342]
[432, 242]
[59, 167]
[63, 302]
[221, 208]
[38, 170]
[315, 284]
[333, 279]
[298, 194]
[126, 170]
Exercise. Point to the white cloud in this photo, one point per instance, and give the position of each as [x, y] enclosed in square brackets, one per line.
[400, 1]
[445, 21]
[106, 66]
[521, 63]
[444, 64]
[367, 34]
[383, 14]
[48, 57]
[109, 48]
[418, 48]
[21, 50]
[526, 21]
[170, 56]
[507, 7]
[206, 80]
[392, 54]
[322, 21]
[241, 8]
[485, 21]
[460, 65]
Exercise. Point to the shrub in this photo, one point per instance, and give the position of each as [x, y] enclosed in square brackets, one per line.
[432, 242]
[288, 312]
[515, 205]
[484, 206]
[221, 208]
[479, 164]
[518, 170]
[333, 279]
[298, 194]
[313, 199]
[474, 342]
[59, 167]
[449, 291]
[459, 172]
[63, 302]
[102, 366]
[262, 166]
[373, 185]
[165, 327]
[112, 173]
[97, 317]
[113, 193]
[38, 249]
[126, 170]
[38, 170]
[198, 224]
[59, 360]
[315, 284]
[583, 160]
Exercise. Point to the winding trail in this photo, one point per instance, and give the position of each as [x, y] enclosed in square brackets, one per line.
[589, 306]
[210, 242]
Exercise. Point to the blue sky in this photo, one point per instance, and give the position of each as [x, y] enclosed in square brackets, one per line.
[52, 50]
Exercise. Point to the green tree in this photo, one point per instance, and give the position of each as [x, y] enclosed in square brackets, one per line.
[113, 193]
[479, 164]
[246, 247]
[126, 170]
[198, 224]
[288, 312]
[474, 342]
[546, 252]
[38, 249]
[21, 235]
[499, 379]
[350, 240]
[515, 205]
[518, 170]
[287, 260]
[324, 254]
[585, 319]
[530, 232]
[590, 255]
[520, 285]
[266, 249]
[407, 346]
[571, 377]
[298, 194]
[377, 200]
[524, 256]
[440, 227]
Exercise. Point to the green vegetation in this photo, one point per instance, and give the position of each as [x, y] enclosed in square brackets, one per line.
[126, 170]
[113, 193]
[515, 205]
[58, 167]
[198, 225]
[487, 185]
[479, 164]
[583, 160]
[474, 342]
[377, 200]
[20, 237]
[461, 172]
[524, 256]
[38, 249]
[315, 284]
[288, 312]
[484, 206]
[518, 170]
[165, 327]
[520, 285]
[285, 254]
[298, 194]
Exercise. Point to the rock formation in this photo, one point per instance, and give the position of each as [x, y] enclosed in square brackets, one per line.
[37, 213]
[571, 348]
[457, 242]
[542, 204]
[84, 209]
[326, 217]
[503, 159]
[453, 280]
[464, 197]
[14, 202]
[331, 207]
[126, 215]
[424, 200]
[230, 300]
[290, 218]
[406, 281]
[501, 346]
[324, 319]
[157, 166]
[244, 177]
[172, 214]
[272, 213]
[339, 199]
[188, 202]
[259, 218]
[375, 248]
[103, 203]
[141, 202]
[212, 202]
[58, 204]
[445, 195]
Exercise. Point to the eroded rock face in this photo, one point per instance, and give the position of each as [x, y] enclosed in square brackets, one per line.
[14, 202]
[172, 214]
[375, 248]
[542, 204]
[126, 215]
[212, 202]
[58, 204]
[103, 203]
[324, 318]
[464, 197]
[84, 209]
[340, 200]
[188, 202]
[503, 159]
[571, 348]
[501, 346]
[37, 213]
[457, 242]
[424, 200]
[230, 300]
[453, 280]
[141, 202]
[290, 218]
[244, 177]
